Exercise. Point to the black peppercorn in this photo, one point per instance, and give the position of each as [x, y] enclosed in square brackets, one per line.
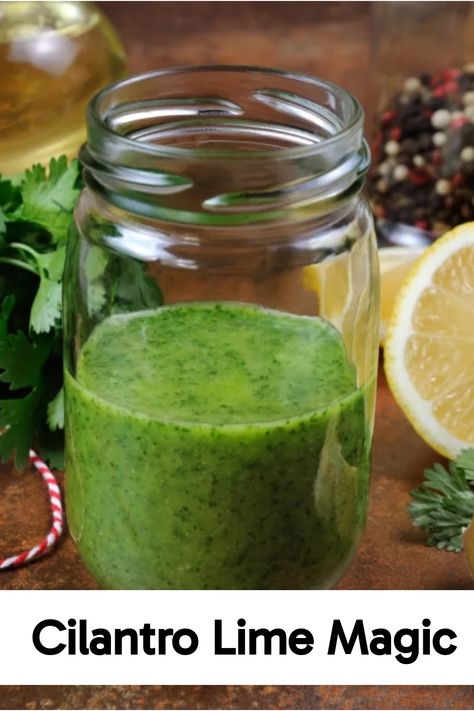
[425, 167]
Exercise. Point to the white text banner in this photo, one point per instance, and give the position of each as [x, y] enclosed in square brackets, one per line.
[230, 637]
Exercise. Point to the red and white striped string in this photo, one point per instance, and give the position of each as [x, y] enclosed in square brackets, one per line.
[57, 513]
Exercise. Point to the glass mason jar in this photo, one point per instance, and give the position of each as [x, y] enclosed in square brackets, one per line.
[221, 332]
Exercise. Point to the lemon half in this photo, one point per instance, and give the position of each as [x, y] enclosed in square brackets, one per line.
[429, 346]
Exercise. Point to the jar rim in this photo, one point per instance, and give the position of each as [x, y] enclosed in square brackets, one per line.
[97, 116]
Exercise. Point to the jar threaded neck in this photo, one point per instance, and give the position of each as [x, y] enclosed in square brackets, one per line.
[225, 145]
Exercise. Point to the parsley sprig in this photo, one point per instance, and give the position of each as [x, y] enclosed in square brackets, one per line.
[444, 504]
[35, 214]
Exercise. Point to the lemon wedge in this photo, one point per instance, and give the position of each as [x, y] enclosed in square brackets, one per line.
[332, 281]
[429, 346]
[342, 286]
[395, 263]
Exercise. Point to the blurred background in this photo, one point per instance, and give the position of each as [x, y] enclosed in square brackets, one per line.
[55, 55]
[366, 47]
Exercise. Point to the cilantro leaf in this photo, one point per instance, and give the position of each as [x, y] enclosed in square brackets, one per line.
[52, 446]
[116, 285]
[95, 265]
[46, 308]
[21, 361]
[22, 416]
[5, 311]
[444, 503]
[3, 223]
[132, 288]
[10, 195]
[35, 219]
[52, 263]
[466, 462]
[48, 199]
[35, 216]
[56, 412]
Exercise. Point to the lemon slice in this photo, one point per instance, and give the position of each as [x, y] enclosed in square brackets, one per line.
[429, 347]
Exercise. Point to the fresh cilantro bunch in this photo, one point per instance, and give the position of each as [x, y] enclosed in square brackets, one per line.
[35, 214]
[444, 504]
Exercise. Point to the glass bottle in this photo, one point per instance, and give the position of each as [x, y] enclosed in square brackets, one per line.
[54, 56]
[221, 332]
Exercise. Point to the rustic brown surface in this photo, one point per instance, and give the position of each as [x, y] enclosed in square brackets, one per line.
[333, 40]
[237, 697]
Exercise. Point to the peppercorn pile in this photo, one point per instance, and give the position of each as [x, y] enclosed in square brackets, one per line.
[424, 153]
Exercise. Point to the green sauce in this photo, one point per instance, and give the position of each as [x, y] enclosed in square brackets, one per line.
[216, 445]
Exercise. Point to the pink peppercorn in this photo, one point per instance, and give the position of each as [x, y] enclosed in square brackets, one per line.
[449, 87]
[419, 177]
[459, 121]
[436, 157]
[387, 117]
[421, 224]
[436, 79]
[395, 133]
[451, 74]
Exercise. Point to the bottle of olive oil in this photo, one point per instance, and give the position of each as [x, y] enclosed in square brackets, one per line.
[54, 56]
